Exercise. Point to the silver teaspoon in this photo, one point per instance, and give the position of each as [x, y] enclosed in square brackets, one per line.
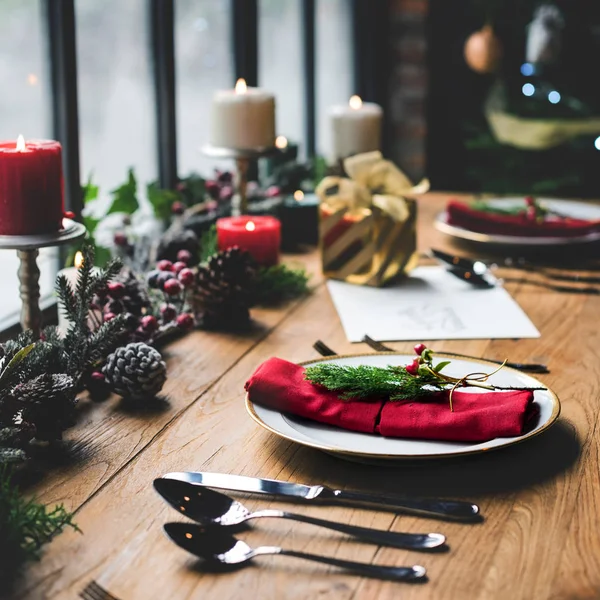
[219, 548]
[209, 507]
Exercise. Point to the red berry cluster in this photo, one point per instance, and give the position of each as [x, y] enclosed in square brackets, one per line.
[423, 356]
[173, 279]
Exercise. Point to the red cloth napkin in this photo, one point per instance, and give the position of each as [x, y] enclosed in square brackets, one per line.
[462, 215]
[476, 417]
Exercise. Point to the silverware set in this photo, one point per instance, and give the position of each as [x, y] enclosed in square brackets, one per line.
[216, 515]
[476, 273]
[324, 350]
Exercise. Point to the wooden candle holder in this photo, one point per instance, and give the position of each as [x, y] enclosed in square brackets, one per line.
[27, 247]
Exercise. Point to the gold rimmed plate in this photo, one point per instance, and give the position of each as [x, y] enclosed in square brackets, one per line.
[363, 447]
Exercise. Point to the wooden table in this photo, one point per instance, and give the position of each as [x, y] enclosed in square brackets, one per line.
[541, 499]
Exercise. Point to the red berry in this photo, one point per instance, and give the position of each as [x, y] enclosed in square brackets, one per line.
[120, 239]
[172, 287]
[273, 191]
[413, 368]
[212, 188]
[168, 312]
[181, 186]
[97, 376]
[109, 316]
[178, 266]
[419, 348]
[530, 200]
[69, 214]
[185, 321]
[116, 290]
[149, 323]
[164, 265]
[531, 213]
[186, 276]
[226, 192]
[178, 208]
[184, 256]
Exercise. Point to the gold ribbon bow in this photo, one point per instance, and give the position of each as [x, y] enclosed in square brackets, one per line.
[367, 221]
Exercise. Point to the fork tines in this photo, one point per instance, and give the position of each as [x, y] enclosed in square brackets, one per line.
[94, 591]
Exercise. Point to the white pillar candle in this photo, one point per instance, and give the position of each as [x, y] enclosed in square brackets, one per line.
[243, 118]
[356, 128]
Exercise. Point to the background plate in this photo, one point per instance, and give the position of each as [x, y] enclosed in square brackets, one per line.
[361, 446]
[577, 210]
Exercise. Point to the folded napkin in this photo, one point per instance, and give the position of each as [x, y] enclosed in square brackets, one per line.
[476, 417]
[467, 217]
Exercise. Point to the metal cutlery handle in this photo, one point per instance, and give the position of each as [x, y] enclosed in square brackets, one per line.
[409, 541]
[415, 574]
[454, 510]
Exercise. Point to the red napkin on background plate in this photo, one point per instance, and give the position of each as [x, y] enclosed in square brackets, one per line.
[476, 417]
[462, 215]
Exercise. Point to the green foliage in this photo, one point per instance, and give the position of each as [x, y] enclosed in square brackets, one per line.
[85, 348]
[125, 196]
[280, 282]
[193, 189]
[363, 382]
[25, 527]
[208, 244]
[161, 200]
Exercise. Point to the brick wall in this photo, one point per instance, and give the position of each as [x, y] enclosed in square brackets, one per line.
[408, 85]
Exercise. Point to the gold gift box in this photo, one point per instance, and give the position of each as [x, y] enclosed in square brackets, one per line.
[367, 225]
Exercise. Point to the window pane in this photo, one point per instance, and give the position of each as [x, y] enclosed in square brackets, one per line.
[24, 108]
[116, 93]
[204, 64]
[280, 63]
[333, 64]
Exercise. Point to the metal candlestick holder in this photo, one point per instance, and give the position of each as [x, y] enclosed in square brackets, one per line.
[242, 159]
[27, 247]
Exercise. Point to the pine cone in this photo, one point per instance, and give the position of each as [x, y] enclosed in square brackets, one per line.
[225, 289]
[135, 300]
[48, 402]
[136, 371]
[177, 238]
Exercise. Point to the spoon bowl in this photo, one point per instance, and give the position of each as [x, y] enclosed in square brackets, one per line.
[219, 548]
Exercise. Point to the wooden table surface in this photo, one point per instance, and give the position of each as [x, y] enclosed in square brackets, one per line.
[540, 499]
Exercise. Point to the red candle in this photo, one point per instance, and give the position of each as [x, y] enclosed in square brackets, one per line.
[260, 236]
[31, 189]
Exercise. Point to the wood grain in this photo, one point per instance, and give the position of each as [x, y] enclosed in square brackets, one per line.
[541, 499]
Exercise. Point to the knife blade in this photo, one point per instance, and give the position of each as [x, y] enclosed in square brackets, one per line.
[453, 510]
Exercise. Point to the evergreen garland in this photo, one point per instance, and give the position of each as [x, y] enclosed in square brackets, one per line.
[25, 526]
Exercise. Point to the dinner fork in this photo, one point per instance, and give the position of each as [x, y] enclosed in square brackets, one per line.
[94, 591]
[531, 367]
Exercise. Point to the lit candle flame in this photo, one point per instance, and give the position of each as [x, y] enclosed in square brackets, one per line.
[298, 195]
[241, 87]
[355, 102]
[281, 142]
[250, 226]
[21, 144]
[78, 260]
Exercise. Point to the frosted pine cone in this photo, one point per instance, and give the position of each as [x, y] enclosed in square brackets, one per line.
[136, 371]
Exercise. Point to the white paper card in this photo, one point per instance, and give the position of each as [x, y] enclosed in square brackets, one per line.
[431, 304]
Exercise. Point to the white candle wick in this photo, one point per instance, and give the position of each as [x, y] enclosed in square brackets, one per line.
[78, 260]
[21, 144]
[250, 226]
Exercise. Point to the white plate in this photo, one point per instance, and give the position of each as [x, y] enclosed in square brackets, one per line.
[577, 210]
[361, 446]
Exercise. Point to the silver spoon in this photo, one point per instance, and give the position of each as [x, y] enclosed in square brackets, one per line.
[209, 507]
[219, 548]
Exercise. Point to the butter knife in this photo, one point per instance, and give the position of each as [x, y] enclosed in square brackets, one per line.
[453, 510]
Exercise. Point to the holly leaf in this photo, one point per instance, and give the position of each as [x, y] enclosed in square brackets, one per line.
[125, 196]
[90, 191]
[161, 200]
[441, 365]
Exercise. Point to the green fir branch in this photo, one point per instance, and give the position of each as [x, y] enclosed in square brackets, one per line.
[280, 282]
[364, 381]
